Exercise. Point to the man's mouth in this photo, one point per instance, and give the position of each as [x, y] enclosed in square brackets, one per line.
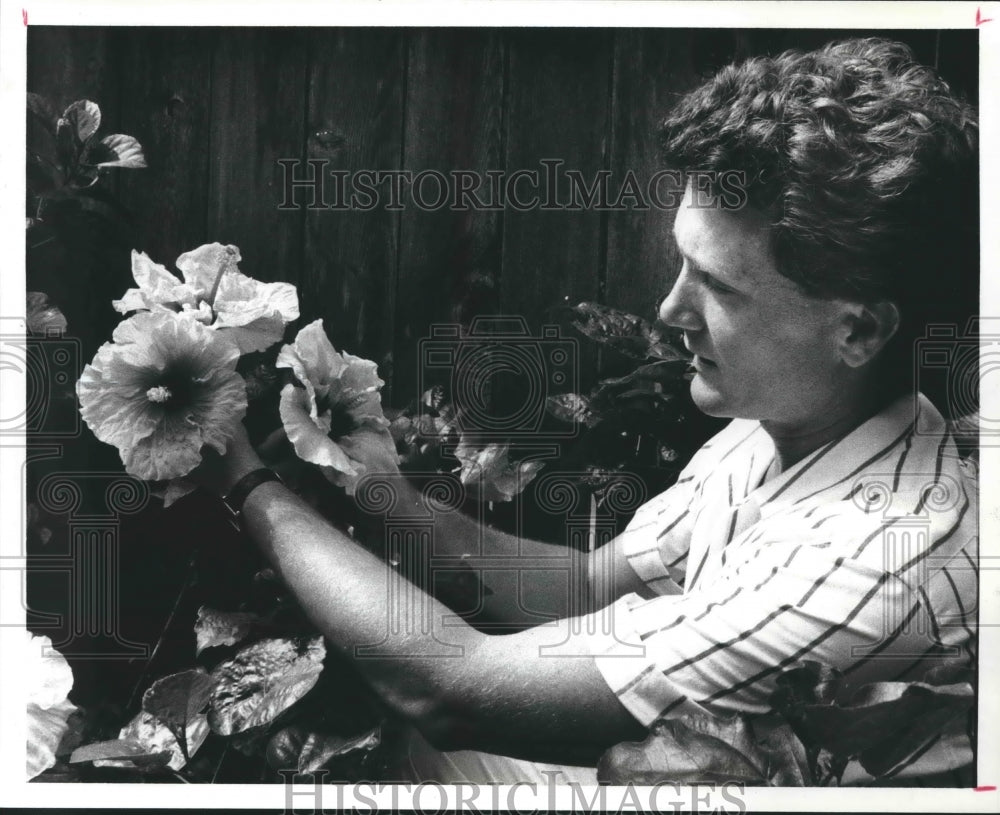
[700, 363]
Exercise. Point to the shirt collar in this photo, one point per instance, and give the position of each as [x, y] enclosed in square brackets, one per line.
[841, 460]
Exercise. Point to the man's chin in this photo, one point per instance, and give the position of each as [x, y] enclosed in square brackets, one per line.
[708, 399]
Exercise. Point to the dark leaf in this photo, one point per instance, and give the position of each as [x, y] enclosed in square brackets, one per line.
[571, 407]
[121, 749]
[808, 683]
[688, 750]
[490, 475]
[43, 318]
[626, 333]
[261, 381]
[263, 680]
[177, 699]
[214, 628]
[320, 749]
[42, 111]
[950, 673]
[881, 725]
[84, 117]
[786, 763]
[284, 748]
[931, 709]
[116, 150]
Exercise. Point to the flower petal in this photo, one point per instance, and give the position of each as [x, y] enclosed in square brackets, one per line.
[46, 729]
[201, 267]
[312, 358]
[50, 679]
[310, 440]
[157, 287]
[258, 335]
[157, 443]
[372, 451]
[175, 490]
[241, 300]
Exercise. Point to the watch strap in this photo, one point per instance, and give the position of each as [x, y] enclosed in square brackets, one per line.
[237, 496]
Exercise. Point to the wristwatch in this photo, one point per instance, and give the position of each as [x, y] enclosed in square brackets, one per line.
[234, 499]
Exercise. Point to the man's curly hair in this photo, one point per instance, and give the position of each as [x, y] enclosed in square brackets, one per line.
[864, 161]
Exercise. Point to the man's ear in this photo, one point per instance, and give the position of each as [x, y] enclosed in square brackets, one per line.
[867, 327]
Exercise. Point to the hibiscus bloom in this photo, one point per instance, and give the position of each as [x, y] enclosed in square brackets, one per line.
[49, 682]
[214, 292]
[165, 387]
[335, 419]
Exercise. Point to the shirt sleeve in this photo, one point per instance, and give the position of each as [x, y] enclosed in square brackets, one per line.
[658, 540]
[720, 647]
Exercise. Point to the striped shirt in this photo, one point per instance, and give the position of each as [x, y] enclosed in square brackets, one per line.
[862, 556]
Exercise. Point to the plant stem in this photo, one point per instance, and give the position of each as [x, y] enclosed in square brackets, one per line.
[218, 767]
[188, 581]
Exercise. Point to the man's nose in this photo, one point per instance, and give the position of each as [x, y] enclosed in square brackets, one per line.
[679, 308]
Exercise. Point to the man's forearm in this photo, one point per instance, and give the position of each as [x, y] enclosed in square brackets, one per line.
[351, 597]
[527, 582]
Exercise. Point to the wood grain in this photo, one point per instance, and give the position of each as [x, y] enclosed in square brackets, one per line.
[449, 260]
[166, 86]
[355, 122]
[258, 118]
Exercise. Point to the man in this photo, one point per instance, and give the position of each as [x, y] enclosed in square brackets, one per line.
[783, 538]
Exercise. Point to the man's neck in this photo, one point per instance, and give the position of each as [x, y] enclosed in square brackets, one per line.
[794, 441]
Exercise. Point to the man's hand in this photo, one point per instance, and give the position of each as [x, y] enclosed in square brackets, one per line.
[219, 474]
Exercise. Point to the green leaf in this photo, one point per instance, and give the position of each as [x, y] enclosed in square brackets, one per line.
[177, 699]
[688, 750]
[117, 150]
[213, 628]
[262, 681]
[84, 117]
[626, 333]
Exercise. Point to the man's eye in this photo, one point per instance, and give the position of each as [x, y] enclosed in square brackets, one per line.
[715, 285]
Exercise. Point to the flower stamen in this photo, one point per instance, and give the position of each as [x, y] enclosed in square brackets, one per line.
[159, 394]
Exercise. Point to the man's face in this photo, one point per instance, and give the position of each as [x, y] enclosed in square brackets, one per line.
[763, 350]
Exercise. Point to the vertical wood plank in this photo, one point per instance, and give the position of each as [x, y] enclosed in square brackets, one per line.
[355, 119]
[652, 69]
[449, 259]
[559, 90]
[166, 92]
[258, 118]
[68, 63]
[65, 64]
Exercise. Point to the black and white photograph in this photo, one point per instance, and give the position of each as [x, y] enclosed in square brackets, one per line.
[580, 409]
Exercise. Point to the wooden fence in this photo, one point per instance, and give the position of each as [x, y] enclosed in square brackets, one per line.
[217, 109]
